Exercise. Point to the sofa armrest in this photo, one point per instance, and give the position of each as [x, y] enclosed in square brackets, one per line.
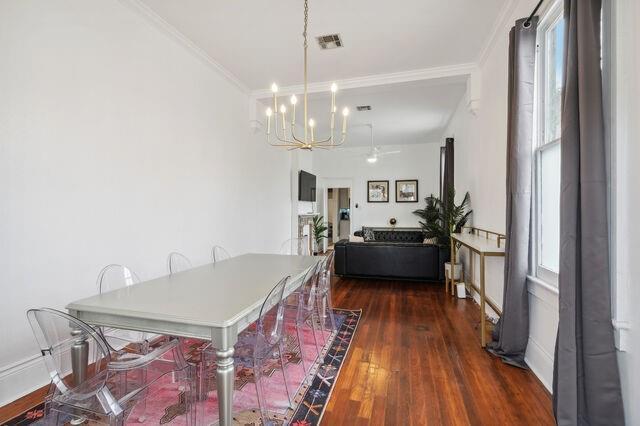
[340, 259]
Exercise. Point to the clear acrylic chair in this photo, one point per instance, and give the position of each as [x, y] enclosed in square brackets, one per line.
[113, 277]
[262, 345]
[177, 262]
[296, 246]
[104, 389]
[218, 253]
[323, 299]
[306, 311]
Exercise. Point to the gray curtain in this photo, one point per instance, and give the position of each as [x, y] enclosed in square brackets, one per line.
[448, 182]
[586, 380]
[511, 334]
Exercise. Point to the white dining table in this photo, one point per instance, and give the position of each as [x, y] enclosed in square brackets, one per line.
[213, 302]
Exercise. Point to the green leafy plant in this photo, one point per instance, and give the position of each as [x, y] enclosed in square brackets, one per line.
[319, 229]
[440, 219]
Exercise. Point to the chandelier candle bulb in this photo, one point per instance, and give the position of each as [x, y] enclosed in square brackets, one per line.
[334, 89]
[345, 112]
[312, 124]
[294, 101]
[268, 112]
[283, 111]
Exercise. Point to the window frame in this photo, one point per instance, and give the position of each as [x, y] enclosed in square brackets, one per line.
[551, 17]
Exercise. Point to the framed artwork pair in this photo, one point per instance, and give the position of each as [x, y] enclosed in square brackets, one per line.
[406, 191]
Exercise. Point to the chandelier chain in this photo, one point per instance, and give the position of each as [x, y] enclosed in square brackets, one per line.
[306, 19]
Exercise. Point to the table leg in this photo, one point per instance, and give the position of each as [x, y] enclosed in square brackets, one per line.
[483, 322]
[452, 266]
[79, 357]
[225, 375]
[471, 280]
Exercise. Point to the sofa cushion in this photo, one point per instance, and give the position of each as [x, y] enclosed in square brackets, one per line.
[408, 261]
[399, 236]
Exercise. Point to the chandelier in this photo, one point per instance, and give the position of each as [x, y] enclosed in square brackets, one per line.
[285, 134]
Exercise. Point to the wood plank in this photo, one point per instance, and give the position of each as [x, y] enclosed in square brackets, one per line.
[416, 359]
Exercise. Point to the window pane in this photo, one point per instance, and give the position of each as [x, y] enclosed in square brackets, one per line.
[550, 207]
[554, 81]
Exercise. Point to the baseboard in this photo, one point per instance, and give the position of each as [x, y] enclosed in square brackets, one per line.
[540, 362]
[21, 378]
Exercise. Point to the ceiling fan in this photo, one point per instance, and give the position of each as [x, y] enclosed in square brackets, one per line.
[375, 152]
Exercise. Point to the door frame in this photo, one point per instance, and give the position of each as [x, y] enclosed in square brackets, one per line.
[325, 184]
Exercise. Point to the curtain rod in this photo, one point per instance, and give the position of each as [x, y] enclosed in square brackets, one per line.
[527, 23]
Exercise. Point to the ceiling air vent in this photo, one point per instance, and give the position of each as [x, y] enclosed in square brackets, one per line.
[363, 107]
[331, 41]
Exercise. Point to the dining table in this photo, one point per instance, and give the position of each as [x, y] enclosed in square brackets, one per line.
[214, 302]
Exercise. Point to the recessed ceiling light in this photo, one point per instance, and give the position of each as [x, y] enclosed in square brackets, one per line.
[329, 41]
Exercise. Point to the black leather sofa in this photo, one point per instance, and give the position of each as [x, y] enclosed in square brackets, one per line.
[392, 254]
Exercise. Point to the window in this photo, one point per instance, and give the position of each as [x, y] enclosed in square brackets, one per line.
[549, 82]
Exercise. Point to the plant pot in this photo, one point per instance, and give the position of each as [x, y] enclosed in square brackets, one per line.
[457, 269]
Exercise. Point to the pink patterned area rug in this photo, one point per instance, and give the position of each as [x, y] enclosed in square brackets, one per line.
[312, 390]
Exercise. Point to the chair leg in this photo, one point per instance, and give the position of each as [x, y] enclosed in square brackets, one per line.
[257, 374]
[322, 318]
[284, 372]
[300, 344]
[315, 334]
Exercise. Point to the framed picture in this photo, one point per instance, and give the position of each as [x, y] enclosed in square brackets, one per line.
[407, 191]
[378, 191]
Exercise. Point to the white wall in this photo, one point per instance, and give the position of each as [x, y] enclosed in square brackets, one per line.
[117, 144]
[627, 199]
[480, 168]
[348, 167]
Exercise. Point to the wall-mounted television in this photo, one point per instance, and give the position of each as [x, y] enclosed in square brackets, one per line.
[306, 186]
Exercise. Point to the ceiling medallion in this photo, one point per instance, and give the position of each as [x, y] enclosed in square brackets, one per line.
[285, 135]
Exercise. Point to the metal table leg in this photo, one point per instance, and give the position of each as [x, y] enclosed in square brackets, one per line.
[79, 357]
[483, 322]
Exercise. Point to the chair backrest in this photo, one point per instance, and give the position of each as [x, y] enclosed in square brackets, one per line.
[177, 262]
[59, 336]
[296, 246]
[324, 281]
[328, 267]
[270, 326]
[115, 276]
[218, 253]
[309, 287]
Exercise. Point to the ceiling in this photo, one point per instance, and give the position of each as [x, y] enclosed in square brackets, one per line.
[403, 113]
[260, 41]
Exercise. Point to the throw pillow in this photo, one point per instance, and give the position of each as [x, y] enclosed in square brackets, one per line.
[433, 240]
[355, 239]
[368, 234]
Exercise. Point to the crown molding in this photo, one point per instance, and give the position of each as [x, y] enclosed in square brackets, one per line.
[172, 32]
[496, 30]
[459, 70]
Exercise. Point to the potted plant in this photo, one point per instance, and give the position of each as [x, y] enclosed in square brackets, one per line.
[440, 220]
[319, 229]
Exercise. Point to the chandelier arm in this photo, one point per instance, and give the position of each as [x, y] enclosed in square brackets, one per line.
[291, 145]
[287, 141]
[269, 140]
[295, 138]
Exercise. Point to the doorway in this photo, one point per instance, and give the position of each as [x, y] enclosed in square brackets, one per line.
[338, 215]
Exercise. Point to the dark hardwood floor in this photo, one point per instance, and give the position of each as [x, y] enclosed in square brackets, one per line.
[416, 360]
